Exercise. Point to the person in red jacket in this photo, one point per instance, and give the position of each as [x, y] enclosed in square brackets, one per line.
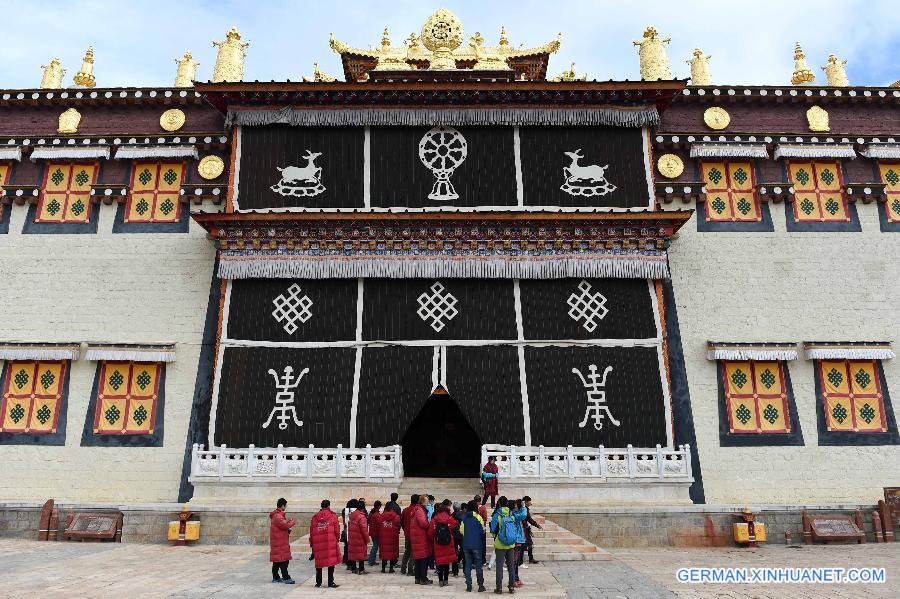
[324, 539]
[357, 539]
[374, 530]
[408, 559]
[489, 476]
[389, 536]
[440, 531]
[421, 544]
[279, 542]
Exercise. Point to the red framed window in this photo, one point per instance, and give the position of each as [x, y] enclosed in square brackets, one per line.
[66, 193]
[730, 192]
[890, 176]
[756, 397]
[852, 396]
[818, 192]
[127, 393]
[155, 192]
[31, 396]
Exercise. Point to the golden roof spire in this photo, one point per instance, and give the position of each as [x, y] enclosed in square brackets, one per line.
[230, 59]
[700, 68]
[187, 70]
[570, 75]
[504, 41]
[53, 75]
[652, 54]
[835, 73]
[385, 39]
[802, 74]
[85, 77]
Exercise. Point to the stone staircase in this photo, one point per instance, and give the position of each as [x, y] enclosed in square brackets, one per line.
[454, 489]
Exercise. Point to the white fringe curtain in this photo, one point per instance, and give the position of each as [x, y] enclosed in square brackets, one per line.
[135, 354]
[69, 152]
[728, 150]
[617, 267]
[812, 151]
[747, 353]
[14, 153]
[616, 117]
[849, 353]
[39, 352]
[157, 152]
[883, 151]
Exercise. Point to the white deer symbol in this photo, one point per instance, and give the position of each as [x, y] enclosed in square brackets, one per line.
[592, 172]
[309, 173]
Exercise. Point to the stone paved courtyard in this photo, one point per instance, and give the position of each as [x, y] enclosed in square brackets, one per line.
[48, 570]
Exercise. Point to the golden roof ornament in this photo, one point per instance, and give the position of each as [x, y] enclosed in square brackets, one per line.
[570, 75]
[652, 54]
[504, 40]
[802, 74]
[319, 76]
[210, 167]
[230, 59]
[385, 39]
[700, 68]
[817, 118]
[187, 70]
[53, 75]
[835, 73]
[442, 33]
[486, 59]
[69, 121]
[172, 119]
[85, 77]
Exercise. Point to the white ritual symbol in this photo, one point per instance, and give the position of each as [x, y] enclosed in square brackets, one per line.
[442, 149]
[302, 181]
[284, 399]
[437, 306]
[587, 305]
[596, 397]
[587, 180]
[292, 308]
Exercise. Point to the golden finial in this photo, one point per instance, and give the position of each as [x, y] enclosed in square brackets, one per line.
[835, 73]
[385, 39]
[442, 33]
[187, 70]
[504, 41]
[700, 68]
[319, 76]
[486, 59]
[896, 83]
[652, 54]
[85, 77]
[570, 75]
[53, 75]
[802, 74]
[230, 59]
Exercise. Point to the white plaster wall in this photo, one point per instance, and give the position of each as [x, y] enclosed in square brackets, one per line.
[787, 287]
[104, 287]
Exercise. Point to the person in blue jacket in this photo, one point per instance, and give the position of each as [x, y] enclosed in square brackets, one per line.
[473, 538]
[520, 513]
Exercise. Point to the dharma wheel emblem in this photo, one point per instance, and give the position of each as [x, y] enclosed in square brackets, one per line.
[442, 150]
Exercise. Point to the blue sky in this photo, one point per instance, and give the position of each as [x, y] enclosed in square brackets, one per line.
[136, 41]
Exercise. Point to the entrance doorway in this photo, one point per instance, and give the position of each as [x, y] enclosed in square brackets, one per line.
[440, 442]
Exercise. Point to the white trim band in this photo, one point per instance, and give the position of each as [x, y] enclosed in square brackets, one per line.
[133, 354]
[64, 152]
[25, 352]
[157, 152]
[883, 151]
[14, 153]
[849, 353]
[728, 151]
[747, 353]
[813, 151]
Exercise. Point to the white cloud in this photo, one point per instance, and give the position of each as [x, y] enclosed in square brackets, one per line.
[751, 43]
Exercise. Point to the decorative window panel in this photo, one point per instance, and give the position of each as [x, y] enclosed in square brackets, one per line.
[818, 192]
[756, 397]
[66, 193]
[127, 393]
[852, 396]
[155, 191]
[31, 397]
[730, 195]
[890, 175]
[5, 170]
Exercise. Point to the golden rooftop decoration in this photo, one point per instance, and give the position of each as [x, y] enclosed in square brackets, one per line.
[230, 59]
[319, 76]
[172, 119]
[817, 118]
[835, 73]
[187, 71]
[442, 33]
[802, 74]
[700, 68]
[69, 121]
[716, 118]
[570, 75]
[210, 167]
[653, 58]
[85, 77]
[53, 75]
[670, 166]
[486, 58]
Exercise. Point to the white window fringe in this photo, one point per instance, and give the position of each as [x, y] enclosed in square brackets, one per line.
[14, 153]
[616, 117]
[891, 152]
[849, 353]
[626, 268]
[751, 354]
[54, 153]
[157, 152]
[812, 151]
[134, 355]
[38, 353]
[728, 150]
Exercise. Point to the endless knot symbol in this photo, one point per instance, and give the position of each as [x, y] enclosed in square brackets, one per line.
[715, 175]
[437, 306]
[21, 378]
[78, 208]
[832, 206]
[839, 412]
[862, 378]
[145, 176]
[57, 177]
[767, 378]
[718, 205]
[140, 415]
[770, 414]
[895, 206]
[740, 175]
[892, 177]
[143, 379]
[167, 206]
[827, 177]
[81, 178]
[170, 176]
[835, 377]
[292, 308]
[744, 206]
[44, 414]
[867, 413]
[53, 207]
[587, 305]
[142, 207]
[47, 379]
[806, 206]
[743, 414]
[739, 378]
[116, 380]
[802, 176]
[17, 413]
[112, 415]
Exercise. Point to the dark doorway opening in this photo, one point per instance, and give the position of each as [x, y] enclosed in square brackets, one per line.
[440, 442]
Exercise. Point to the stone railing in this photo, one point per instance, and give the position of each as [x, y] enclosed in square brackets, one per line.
[267, 464]
[594, 464]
